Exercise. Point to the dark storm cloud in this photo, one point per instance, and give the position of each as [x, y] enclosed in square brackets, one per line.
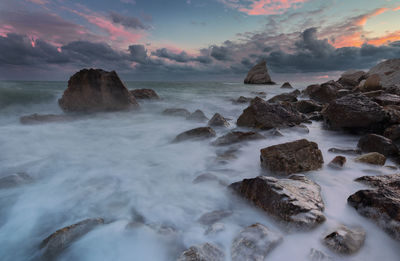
[181, 57]
[127, 21]
[138, 53]
[221, 53]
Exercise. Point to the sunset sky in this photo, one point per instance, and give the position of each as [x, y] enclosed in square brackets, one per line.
[194, 39]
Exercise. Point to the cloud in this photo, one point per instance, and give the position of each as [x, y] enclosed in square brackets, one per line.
[127, 21]
[263, 7]
[221, 53]
[181, 57]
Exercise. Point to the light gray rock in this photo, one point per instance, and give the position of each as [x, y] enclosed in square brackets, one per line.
[388, 71]
[214, 216]
[204, 252]
[259, 75]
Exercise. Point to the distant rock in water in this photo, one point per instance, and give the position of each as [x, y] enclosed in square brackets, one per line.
[259, 75]
[237, 136]
[198, 116]
[145, 94]
[286, 85]
[93, 90]
[218, 120]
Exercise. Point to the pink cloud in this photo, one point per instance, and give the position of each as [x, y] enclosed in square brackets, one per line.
[38, 2]
[364, 18]
[263, 7]
[397, 8]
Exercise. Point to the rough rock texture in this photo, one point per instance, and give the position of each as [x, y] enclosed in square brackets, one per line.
[292, 157]
[322, 93]
[204, 252]
[378, 143]
[345, 240]
[258, 75]
[198, 116]
[44, 118]
[337, 162]
[176, 112]
[263, 115]
[145, 94]
[15, 180]
[388, 71]
[392, 132]
[351, 78]
[237, 136]
[254, 243]
[286, 85]
[307, 106]
[214, 216]
[387, 99]
[91, 90]
[354, 112]
[381, 204]
[218, 120]
[372, 83]
[296, 200]
[287, 97]
[374, 158]
[54, 244]
[196, 134]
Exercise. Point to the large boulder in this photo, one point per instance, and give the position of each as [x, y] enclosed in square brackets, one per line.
[372, 83]
[388, 71]
[263, 115]
[145, 94]
[381, 204]
[323, 93]
[258, 75]
[91, 90]
[355, 112]
[292, 157]
[237, 136]
[378, 143]
[352, 78]
[345, 240]
[296, 200]
[254, 243]
[196, 134]
[204, 252]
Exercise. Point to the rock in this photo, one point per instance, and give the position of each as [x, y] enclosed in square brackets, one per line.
[287, 97]
[196, 134]
[381, 204]
[237, 136]
[343, 92]
[15, 180]
[44, 118]
[214, 216]
[177, 112]
[388, 71]
[145, 94]
[392, 132]
[243, 99]
[393, 114]
[198, 116]
[323, 93]
[215, 228]
[372, 83]
[296, 200]
[208, 177]
[315, 116]
[258, 75]
[260, 94]
[292, 157]
[337, 162]
[263, 115]
[345, 151]
[307, 106]
[218, 121]
[318, 255]
[378, 143]
[254, 243]
[387, 99]
[54, 244]
[352, 78]
[374, 158]
[344, 240]
[92, 90]
[286, 85]
[354, 112]
[204, 252]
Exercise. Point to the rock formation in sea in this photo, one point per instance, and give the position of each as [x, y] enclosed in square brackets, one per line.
[259, 75]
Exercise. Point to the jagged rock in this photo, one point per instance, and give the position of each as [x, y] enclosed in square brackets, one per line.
[214, 216]
[378, 143]
[237, 136]
[352, 78]
[323, 93]
[44, 118]
[387, 99]
[15, 180]
[263, 115]
[381, 204]
[204, 252]
[354, 112]
[318, 255]
[91, 90]
[198, 116]
[337, 162]
[296, 200]
[145, 94]
[243, 99]
[258, 75]
[196, 134]
[254, 243]
[344, 240]
[345, 151]
[307, 106]
[374, 158]
[392, 132]
[54, 244]
[388, 71]
[286, 85]
[292, 157]
[287, 97]
[218, 120]
[177, 112]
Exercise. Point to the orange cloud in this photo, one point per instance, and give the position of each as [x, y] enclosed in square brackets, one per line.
[362, 20]
[354, 39]
[391, 37]
[397, 8]
[263, 7]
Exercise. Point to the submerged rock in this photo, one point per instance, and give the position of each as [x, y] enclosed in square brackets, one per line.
[378, 143]
[44, 118]
[263, 115]
[388, 71]
[337, 162]
[180, 112]
[286, 85]
[214, 216]
[374, 158]
[318, 255]
[292, 157]
[254, 243]
[198, 116]
[15, 180]
[237, 136]
[204, 252]
[344, 240]
[259, 75]
[145, 94]
[242, 99]
[218, 120]
[296, 200]
[196, 134]
[92, 90]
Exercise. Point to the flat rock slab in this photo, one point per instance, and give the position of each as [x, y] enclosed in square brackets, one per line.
[345, 240]
[204, 252]
[237, 136]
[292, 157]
[196, 134]
[296, 200]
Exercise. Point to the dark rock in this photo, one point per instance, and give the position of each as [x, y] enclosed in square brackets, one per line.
[198, 116]
[204, 252]
[352, 78]
[243, 99]
[254, 243]
[323, 93]
[296, 200]
[392, 132]
[393, 114]
[92, 90]
[286, 85]
[287, 97]
[145, 94]
[381, 181]
[307, 106]
[337, 162]
[218, 120]
[372, 83]
[373, 94]
[345, 151]
[373, 158]
[343, 92]
[387, 99]
[344, 240]
[15, 180]
[315, 116]
[292, 157]
[258, 75]
[214, 216]
[44, 118]
[237, 136]
[378, 143]
[196, 134]
[263, 115]
[176, 112]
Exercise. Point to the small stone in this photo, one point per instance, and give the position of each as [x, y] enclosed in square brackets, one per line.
[374, 158]
[198, 116]
[218, 120]
[344, 240]
[337, 162]
[286, 85]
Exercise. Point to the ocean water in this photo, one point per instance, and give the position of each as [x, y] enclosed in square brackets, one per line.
[122, 165]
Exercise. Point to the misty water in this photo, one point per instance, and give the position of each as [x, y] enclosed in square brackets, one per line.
[122, 165]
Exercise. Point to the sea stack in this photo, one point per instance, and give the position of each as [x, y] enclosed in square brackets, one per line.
[93, 90]
[258, 75]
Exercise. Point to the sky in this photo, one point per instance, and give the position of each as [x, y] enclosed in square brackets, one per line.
[195, 39]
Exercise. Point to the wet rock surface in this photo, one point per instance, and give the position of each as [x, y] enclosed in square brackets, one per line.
[377, 143]
[345, 240]
[345, 151]
[214, 216]
[307, 106]
[196, 134]
[145, 94]
[204, 252]
[285, 97]
[258, 75]
[237, 136]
